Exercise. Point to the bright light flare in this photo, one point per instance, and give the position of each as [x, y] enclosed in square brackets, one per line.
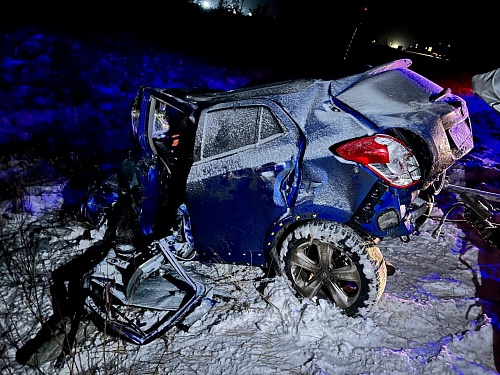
[395, 43]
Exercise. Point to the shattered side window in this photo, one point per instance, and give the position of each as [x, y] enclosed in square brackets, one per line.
[230, 129]
[269, 125]
[160, 123]
[164, 117]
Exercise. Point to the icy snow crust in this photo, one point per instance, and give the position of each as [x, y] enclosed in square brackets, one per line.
[425, 323]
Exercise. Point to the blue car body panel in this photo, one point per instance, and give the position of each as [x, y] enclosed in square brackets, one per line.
[233, 197]
[223, 176]
[264, 157]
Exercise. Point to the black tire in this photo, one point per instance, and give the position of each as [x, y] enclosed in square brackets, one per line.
[328, 260]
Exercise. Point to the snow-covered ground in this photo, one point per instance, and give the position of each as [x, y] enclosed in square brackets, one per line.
[429, 321]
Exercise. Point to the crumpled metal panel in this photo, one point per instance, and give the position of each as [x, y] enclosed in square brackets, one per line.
[404, 99]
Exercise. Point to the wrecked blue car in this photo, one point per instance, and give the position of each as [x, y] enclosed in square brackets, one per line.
[302, 177]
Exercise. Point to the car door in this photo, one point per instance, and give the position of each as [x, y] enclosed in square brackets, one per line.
[244, 177]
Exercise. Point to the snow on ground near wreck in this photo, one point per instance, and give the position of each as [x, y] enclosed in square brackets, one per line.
[426, 322]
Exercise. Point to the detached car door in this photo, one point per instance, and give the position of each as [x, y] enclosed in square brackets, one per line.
[244, 177]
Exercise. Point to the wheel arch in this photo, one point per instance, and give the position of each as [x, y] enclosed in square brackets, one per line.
[278, 232]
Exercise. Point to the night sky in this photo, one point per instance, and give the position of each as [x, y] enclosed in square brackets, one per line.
[471, 28]
[297, 28]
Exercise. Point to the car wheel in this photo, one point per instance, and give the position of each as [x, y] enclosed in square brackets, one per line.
[328, 260]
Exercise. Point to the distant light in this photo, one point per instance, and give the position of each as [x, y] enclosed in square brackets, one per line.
[205, 4]
[250, 14]
[394, 43]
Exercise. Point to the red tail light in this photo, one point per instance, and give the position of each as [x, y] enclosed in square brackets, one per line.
[385, 156]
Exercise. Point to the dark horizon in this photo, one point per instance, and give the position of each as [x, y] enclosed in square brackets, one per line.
[299, 32]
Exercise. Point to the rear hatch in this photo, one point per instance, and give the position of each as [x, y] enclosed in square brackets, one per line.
[402, 99]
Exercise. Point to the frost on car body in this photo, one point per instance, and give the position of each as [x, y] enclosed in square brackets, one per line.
[304, 176]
